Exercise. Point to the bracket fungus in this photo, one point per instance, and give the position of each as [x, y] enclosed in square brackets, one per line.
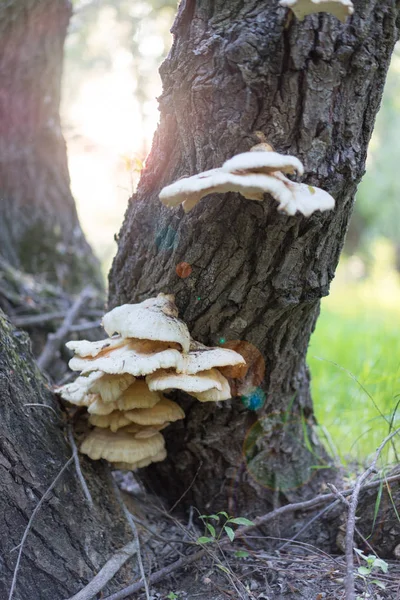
[153, 319]
[137, 358]
[253, 174]
[121, 446]
[122, 378]
[341, 9]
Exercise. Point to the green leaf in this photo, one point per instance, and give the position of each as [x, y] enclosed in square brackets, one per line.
[172, 596]
[211, 529]
[224, 514]
[381, 564]
[224, 569]
[379, 583]
[241, 554]
[360, 553]
[364, 570]
[241, 521]
[214, 517]
[229, 532]
[204, 540]
[311, 189]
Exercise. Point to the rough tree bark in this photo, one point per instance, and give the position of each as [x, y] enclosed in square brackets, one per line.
[39, 228]
[313, 88]
[68, 542]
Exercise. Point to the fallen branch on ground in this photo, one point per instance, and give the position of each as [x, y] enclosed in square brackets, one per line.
[135, 534]
[107, 572]
[29, 320]
[54, 340]
[351, 519]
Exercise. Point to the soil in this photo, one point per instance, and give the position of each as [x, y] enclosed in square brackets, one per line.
[299, 571]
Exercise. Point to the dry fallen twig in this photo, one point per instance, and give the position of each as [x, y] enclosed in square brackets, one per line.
[29, 320]
[54, 340]
[158, 576]
[351, 519]
[135, 535]
[344, 501]
[107, 572]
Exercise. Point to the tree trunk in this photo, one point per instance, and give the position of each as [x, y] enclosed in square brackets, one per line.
[69, 541]
[313, 88]
[39, 227]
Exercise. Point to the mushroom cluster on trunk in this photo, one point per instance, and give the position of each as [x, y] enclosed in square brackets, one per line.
[123, 378]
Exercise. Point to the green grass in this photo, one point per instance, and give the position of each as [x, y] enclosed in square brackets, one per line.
[354, 357]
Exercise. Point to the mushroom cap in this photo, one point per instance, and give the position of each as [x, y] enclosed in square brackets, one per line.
[262, 147]
[202, 358]
[113, 421]
[146, 432]
[99, 347]
[251, 185]
[154, 319]
[138, 395]
[136, 428]
[301, 8]
[76, 391]
[111, 387]
[120, 446]
[175, 193]
[165, 410]
[99, 407]
[305, 198]
[139, 357]
[216, 395]
[200, 382]
[263, 162]
[123, 466]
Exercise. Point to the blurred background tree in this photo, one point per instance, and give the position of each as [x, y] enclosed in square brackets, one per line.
[377, 209]
[109, 107]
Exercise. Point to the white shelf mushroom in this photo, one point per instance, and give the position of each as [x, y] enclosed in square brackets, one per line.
[154, 319]
[86, 348]
[202, 381]
[121, 446]
[138, 358]
[202, 358]
[252, 174]
[341, 9]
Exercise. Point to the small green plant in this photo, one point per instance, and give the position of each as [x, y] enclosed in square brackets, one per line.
[172, 596]
[222, 522]
[373, 564]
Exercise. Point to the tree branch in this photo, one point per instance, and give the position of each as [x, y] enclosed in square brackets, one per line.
[351, 519]
[55, 340]
[107, 572]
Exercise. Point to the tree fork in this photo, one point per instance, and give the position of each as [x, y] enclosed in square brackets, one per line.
[313, 88]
